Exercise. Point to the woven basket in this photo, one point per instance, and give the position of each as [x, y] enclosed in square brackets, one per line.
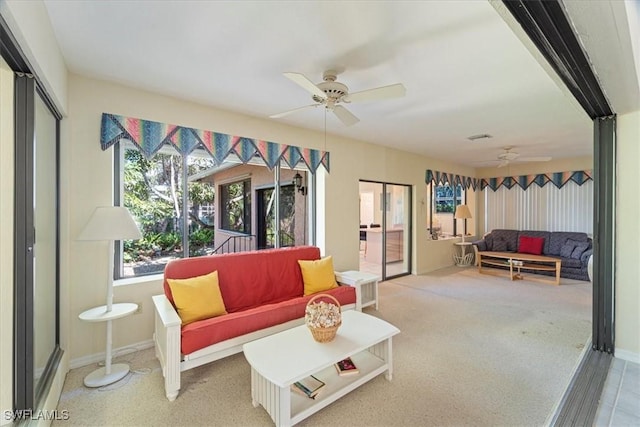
[326, 334]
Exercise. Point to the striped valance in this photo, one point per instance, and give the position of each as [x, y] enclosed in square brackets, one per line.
[150, 136]
[559, 179]
[442, 178]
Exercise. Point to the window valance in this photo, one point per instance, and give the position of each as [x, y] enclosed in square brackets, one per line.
[150, 136]
[559, 179]
[442, 178]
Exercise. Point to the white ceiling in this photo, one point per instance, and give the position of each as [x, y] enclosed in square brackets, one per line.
[464, 70]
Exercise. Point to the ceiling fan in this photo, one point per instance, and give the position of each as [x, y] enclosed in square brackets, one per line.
[509, 156]
[331, 93]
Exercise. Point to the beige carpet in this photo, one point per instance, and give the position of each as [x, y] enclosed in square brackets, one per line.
[473, 350]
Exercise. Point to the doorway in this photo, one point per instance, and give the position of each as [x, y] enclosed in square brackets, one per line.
[265, 235]
[385, 229]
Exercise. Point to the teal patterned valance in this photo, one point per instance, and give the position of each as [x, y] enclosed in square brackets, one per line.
[559, 179]
[443, 178]
[150, 136]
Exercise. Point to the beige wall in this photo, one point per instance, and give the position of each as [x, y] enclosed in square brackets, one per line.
[627, 238]
[6, 230]
[30, 25]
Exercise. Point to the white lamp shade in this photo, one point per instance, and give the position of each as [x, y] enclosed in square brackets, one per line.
[110, 223]
[462, 212]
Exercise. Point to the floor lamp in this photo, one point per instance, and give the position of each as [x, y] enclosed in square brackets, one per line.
[109, 223]
[462, 212]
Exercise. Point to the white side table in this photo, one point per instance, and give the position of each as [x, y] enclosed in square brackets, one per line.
[465, 257]
[109, 373]
[366, 285]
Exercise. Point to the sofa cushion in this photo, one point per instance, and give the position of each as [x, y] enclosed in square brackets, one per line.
[509, 236]
[559, 238]
[579, 250]
[318, 275]
[567, 249]
[537, 233]
[247, 278]
[197, 298]
[499, 245]
[489, 240]
[531, 245]
[206, 332]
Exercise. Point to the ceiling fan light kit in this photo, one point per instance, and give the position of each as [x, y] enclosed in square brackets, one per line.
[331, 93]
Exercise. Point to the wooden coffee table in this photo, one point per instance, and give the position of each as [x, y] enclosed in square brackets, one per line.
[279, 360]
[529, 262]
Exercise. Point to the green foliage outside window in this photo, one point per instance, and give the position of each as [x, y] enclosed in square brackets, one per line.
[153, 194]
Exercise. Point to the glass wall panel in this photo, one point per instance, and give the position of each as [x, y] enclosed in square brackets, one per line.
[45, 224]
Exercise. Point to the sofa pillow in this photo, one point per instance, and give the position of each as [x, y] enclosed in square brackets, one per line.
[197, 298]
[531, 245]
[567, 249]
[499, 245]
[579, 249]
[318, 275]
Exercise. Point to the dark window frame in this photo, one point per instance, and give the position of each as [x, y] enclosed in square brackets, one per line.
[246, 206]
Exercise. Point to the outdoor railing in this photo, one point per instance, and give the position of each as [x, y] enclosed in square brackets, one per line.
[236, 244]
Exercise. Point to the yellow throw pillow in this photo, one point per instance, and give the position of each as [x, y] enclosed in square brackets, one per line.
[197, 298]
[318, 275]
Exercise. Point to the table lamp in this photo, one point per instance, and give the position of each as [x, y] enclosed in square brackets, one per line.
[109, 223]
[462, 212]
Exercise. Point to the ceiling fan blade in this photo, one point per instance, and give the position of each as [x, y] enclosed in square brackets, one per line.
[503, 163]
[386, 92]
[534, 159]
[306, 84]
[345, 115]
[286, 113]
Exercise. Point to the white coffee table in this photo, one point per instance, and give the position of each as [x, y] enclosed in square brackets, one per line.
[279, 360]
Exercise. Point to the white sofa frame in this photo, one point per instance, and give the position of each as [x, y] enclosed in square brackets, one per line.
[167, 342]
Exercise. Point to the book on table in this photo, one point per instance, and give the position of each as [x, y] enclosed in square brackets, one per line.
[346, 367]
[309, 386]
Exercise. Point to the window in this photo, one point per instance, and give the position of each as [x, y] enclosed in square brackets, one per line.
[235, 206]
[216, 215]
[152, 190]
[444, 199]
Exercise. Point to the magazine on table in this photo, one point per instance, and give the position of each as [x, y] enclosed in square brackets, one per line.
[346, 367]
[309, 386]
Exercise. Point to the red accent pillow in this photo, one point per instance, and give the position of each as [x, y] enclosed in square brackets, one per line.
[531, 245]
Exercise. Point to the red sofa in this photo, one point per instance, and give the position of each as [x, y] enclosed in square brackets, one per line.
[262, 293]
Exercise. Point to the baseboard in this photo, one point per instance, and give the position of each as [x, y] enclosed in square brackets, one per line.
[629, 356]
[116, 352]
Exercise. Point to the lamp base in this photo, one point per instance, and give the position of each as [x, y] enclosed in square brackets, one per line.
[100, 378]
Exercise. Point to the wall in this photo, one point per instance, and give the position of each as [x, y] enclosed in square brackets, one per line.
[627, 238]
[89, 184]
[30, 25]
[6, 230]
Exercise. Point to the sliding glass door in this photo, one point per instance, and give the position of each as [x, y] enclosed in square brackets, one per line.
[397, 230]
[385, 229]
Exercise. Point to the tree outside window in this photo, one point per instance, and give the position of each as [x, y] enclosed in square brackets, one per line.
[444, 199]
[152, 191]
